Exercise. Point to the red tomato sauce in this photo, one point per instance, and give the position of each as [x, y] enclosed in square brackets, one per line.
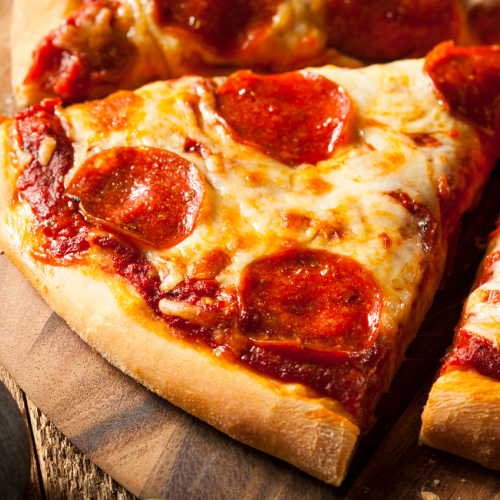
[357, 381]
[487, 271]
[473, 351]
[61, 228]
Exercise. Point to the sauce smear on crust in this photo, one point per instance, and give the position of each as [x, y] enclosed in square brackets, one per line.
[294, 117]
[356, 380]
[473, 351]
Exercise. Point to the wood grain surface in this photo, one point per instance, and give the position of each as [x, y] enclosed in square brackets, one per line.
[156, 450]
[35, 489]
[58, 470]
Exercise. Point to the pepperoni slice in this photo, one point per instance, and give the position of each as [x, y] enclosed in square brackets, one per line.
[224, 25]
[385, 30]
[151, 194]
[294, 117]
[312, 299]
[86, 56]
[468, 78]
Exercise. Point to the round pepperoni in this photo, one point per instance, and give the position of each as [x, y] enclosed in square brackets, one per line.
[294, 117]
[151, 194]
[312, 299]
[223, 25]
[469, 80]
[385, 30]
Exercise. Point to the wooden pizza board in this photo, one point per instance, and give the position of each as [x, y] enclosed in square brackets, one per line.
[156, 450]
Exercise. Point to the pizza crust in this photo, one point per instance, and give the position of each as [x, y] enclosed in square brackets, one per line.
[30, 24]
[462, 415]
[284, 420]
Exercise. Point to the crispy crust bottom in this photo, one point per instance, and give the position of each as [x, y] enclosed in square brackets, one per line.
[284, 420]
[462, 416]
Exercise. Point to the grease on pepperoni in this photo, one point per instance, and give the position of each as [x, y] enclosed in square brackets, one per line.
[86, 56]
[312, 299]
[468, 78]
[385, 30]
[226, 26]
[294, 117]
[150, 194]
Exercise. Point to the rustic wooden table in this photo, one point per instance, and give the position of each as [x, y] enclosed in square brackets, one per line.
[157, 450]
[58, 470]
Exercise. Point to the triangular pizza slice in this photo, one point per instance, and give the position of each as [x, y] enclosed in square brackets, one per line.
[463, 410]
[86, 49]
[259, 250]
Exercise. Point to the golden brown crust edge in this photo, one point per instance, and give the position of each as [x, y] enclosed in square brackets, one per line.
[313, 434]
[30, 23]
[462, 416]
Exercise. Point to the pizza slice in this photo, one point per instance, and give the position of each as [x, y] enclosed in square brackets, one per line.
[259, 250]
[463, 410]
[86, 49]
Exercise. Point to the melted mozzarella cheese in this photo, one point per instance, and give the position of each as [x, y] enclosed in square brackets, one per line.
[341, 204]
[480, 317]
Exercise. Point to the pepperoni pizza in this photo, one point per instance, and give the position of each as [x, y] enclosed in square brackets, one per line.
[86, 49]
[259, 250]
[462, 413]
